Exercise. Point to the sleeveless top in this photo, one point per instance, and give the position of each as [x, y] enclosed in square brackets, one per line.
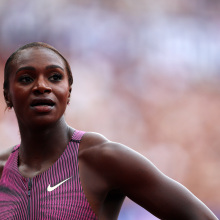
[54, 194]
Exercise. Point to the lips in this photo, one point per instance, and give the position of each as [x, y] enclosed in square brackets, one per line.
[40, 102]
[42, 105]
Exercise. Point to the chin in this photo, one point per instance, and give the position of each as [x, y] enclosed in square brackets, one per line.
[42, 122]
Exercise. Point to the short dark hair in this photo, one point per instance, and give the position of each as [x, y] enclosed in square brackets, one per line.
[31, 45]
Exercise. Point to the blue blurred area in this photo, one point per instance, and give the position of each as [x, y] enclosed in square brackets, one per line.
[131, 211]
[145, 75]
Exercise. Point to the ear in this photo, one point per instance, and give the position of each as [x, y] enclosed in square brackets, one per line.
[8, 99]
[70, 89]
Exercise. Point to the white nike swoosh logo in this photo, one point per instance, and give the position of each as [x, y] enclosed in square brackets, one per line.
[49, 188]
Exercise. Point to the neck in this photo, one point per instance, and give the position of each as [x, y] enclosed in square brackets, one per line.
[44, 144]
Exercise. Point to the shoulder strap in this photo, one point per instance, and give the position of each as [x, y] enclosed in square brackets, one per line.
[77, 136]
[15, 148]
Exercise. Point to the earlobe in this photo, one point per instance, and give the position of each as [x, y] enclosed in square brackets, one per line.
[9, 105]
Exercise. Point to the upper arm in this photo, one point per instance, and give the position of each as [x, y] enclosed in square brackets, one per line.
[141, 181]
[3, 158]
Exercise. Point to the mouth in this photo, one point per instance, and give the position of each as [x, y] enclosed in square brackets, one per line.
[42, 105]
[42, 102]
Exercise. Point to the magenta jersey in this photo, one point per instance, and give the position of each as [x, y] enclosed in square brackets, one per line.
[54, 194]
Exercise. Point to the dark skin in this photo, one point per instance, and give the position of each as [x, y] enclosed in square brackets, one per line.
[112, 170]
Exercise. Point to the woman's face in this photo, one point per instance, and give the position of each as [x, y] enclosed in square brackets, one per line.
[38, 87]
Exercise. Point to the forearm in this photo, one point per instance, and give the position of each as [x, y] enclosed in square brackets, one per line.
[169, 200]
[181, 204]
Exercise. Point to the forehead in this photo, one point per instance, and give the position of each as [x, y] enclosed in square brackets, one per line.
[37, 57]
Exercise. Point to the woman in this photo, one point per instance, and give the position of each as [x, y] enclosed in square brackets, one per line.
[57, 172]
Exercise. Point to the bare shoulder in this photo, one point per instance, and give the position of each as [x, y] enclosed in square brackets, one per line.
[92, 139]
[94, 147]
[4, 157]
[97, 144]
[119, 161]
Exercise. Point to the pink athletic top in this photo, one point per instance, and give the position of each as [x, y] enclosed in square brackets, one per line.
[54, 194]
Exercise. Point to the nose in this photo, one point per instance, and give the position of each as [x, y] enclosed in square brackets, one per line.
[41, 87]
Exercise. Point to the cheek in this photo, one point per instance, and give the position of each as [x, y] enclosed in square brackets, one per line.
[17, 96]
[63, 94]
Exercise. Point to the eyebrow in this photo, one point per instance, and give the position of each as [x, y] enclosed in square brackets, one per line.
[33, 69]
[25, 68]
[54, 67]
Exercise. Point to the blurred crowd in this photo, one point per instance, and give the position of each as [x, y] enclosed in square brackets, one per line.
[146, 74]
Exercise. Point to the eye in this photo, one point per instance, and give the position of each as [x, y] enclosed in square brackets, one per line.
[25, 79]
[56, 77]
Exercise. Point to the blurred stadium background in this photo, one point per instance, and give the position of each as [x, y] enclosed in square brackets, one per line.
[146, 74]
